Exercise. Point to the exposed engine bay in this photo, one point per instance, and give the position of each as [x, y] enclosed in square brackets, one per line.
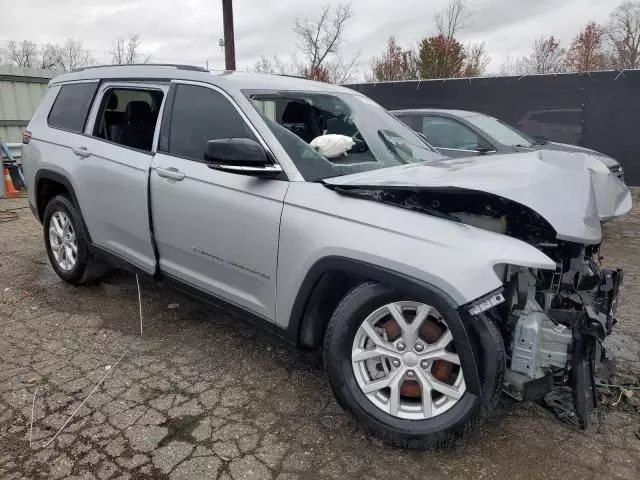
[552, 322]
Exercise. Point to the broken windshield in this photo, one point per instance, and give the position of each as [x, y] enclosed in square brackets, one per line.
[329, 135]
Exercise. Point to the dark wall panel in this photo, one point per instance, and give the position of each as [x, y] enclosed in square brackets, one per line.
[598, 110]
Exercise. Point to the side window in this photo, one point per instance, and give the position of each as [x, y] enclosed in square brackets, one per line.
[128, 117]
[71, 107]
[445, 133]
[412, 121]
[201, 114]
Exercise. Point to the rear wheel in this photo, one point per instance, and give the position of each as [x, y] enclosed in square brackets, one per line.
[66, 243]
[392, 363]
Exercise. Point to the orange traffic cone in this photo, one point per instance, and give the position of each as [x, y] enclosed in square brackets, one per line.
[8, 183]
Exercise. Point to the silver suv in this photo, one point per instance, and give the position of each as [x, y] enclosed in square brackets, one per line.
[431, 284]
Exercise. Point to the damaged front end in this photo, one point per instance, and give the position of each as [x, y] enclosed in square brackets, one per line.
[552, 322]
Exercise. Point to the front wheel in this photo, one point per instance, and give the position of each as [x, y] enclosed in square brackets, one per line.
[392, 363]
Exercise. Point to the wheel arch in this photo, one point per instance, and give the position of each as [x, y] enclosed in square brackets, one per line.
[48, 184]
[307, 324]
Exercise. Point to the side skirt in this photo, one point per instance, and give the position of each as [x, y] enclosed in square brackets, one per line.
[195, 292]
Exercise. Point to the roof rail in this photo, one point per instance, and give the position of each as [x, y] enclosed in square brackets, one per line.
[177, 66]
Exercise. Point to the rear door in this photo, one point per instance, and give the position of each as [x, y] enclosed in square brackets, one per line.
[115, 155]
[215, 231]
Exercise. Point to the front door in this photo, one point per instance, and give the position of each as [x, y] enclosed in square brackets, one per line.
[214, 230]
[451, 138]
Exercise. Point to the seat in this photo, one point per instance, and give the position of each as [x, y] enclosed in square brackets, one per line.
[299, 118]
[111, 116]
[139, 126]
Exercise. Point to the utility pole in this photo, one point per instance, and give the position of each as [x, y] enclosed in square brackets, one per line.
[229, 43]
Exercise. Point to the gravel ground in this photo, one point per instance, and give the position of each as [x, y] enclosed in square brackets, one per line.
[203, 394]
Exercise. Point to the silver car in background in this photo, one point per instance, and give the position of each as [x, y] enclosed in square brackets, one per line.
[461, 133]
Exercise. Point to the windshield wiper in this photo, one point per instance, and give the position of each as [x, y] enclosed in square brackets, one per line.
[518, 145]
[390, 145]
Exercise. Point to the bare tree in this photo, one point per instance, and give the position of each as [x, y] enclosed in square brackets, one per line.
[455, 18]
[513, 66]
[476, 60]
[546, 57]
[22, 54]
[49, 58]
[623, 31]
[320, 39]
[72, 55]
[271, 65]
[341, 70]
[127, 52]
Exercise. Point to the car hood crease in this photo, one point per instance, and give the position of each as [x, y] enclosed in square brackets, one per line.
[556, 185]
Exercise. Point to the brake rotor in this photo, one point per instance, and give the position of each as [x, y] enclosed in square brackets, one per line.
[430, 332]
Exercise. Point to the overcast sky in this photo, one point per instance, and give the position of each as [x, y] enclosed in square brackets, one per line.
[187, 31]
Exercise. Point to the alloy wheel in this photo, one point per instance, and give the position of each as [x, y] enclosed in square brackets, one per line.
[62, 241]
[405, 363]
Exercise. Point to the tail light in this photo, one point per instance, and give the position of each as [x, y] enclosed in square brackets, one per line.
[26, 137]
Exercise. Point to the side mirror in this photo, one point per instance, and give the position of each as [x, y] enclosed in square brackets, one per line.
[484, 148]
[240, 155]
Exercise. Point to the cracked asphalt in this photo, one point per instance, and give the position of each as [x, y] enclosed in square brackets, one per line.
[203, 394]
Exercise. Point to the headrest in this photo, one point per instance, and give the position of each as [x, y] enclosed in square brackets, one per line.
[137, 111]
[296, 112]
[112, 104]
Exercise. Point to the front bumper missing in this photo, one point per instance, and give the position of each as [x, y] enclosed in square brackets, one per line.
[574, 397]
[606, 301]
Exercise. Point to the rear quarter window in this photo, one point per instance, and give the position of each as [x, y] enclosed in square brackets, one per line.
[71, 107]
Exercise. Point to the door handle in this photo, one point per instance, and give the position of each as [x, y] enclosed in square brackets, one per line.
[82, 152]
[171, 172]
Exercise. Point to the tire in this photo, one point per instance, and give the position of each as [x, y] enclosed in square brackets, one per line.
[85, 268]
[442, 429]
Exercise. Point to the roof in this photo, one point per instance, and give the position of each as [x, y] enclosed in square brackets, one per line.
[441, 111]
[224, 79]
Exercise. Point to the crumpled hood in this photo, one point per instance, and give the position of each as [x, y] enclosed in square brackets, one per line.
[564, 147]
[556, 185]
